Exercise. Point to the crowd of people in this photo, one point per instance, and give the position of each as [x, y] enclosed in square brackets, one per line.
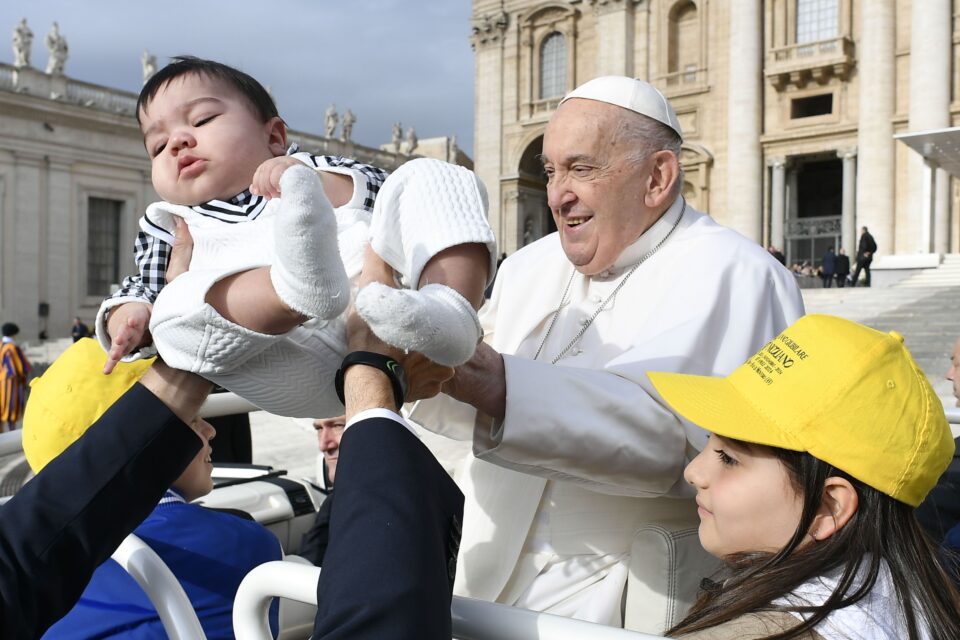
[644, 368]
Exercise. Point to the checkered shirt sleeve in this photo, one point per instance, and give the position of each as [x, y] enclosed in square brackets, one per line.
[151, 255]
[374, 176]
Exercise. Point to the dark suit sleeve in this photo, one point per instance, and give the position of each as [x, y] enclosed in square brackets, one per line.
[66, 521]
[394, 535]
[313, 545]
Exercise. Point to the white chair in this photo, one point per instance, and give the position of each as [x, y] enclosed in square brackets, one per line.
[472, 619]
[162, 587]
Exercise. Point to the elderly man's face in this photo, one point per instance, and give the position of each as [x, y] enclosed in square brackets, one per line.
[596, 193]
[953, 373]
[329, 432]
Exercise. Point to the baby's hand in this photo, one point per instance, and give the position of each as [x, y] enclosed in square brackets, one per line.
[266, 181]
[127, 326]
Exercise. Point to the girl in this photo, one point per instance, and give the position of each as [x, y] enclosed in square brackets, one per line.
[822, 445]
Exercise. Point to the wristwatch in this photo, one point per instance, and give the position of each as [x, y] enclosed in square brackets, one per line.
[392, 368]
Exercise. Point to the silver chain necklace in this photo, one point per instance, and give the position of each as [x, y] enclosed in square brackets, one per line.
[564, 302]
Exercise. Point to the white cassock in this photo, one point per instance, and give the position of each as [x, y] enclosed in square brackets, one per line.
[597, 452]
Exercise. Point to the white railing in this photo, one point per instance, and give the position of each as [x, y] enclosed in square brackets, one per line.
[11, 442]
[91, 95]
[829, 48]
[472, 619]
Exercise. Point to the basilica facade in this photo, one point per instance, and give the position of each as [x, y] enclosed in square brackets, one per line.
[790, 111]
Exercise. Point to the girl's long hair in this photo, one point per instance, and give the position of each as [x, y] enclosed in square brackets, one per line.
[883, 530]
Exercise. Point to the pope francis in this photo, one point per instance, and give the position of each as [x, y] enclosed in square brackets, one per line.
[575, 501]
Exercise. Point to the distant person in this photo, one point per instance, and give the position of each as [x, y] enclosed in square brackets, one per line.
[828, 266]
[776, 253]
[314, 543]
[843, 268]
[865, 251]
[79, 330]
[14, 371]
[822, 446]
[209, 551]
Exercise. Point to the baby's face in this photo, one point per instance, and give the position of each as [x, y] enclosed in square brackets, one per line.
[204, 140]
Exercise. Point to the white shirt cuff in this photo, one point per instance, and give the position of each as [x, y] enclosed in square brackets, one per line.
[379, 413]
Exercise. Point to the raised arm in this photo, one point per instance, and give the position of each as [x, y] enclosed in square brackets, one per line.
[68, 520]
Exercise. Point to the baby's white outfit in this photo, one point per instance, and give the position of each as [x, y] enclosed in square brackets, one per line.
[292, 374]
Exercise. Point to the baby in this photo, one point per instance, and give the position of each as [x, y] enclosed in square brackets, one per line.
[261, 310]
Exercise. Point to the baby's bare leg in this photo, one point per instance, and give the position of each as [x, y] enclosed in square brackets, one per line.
[464, 268]
[430, 221]
[249, 300]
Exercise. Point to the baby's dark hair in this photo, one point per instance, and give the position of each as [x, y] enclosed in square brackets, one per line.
[254, 92]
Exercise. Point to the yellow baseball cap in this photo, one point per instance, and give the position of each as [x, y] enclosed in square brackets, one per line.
[70, 396]
[846, 394]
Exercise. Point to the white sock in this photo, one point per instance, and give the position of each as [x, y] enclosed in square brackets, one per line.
[307, 272]
[436, 320]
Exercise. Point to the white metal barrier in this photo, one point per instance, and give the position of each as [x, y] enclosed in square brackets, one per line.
[11, 442]
[225, 404]
[162, 587]
[472, 619]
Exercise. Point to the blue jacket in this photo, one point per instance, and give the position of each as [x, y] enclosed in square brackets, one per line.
[210, 552]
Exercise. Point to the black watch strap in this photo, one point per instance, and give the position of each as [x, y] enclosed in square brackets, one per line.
[392, 368]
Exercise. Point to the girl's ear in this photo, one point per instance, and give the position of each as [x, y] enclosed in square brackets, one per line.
[838, 504]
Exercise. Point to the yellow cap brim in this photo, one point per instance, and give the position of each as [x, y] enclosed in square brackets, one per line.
[717, 406]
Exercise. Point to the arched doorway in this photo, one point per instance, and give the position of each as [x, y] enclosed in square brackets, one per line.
[534, 219]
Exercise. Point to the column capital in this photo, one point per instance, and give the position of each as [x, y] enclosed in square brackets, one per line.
[847, 153]
[777, 162]
[601, 7]
[488, 28]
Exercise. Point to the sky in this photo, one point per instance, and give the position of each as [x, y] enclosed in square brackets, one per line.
[389, 61]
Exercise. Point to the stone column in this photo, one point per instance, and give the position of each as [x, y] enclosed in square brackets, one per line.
[744, 112]
[930, 52]
[487, 42]
[778, 201]
[875, 56]
[615, 45]
[60, 251]
[848, 216]
[928, 207]
[27, 250]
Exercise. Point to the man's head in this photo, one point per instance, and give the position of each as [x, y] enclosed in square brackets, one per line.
[206, 127]
[329, 432]
[863, 230]
[9, 330]
[611, 154]
[73, 393]
[953, 373]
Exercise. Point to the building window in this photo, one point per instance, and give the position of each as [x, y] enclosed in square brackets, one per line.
[811, 106]
[553, 66]
[103, 242]
[684, 48]
[817, 20]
